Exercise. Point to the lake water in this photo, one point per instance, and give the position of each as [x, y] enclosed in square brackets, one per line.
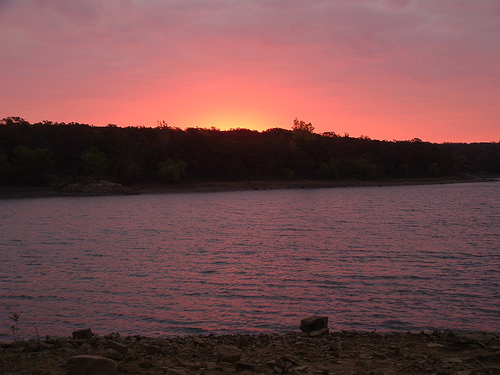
[401, 258]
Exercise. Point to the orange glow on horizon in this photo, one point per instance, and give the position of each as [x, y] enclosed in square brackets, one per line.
[383, 69]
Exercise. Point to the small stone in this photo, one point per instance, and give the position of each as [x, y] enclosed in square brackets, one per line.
[211, 365]
[34, 345]
[278, 369]
[119, 347]
[5, 344]
[198, 340]
[434, 345]
[241, 365]
[132, 368]
[319, 332]
[226, 366]
[228, 353]
[449, 336]
[82, 334]
[323, 370]
[112, 353]
[313, 323]
[113, 336]
[379, 355]
[58, 342]
[188, 364]
[299, 370]
[91, 365]
[152, 349]
[146, 364]
[241, 342]
[176, 371]
[260, 368]
[271, 364]
[453, 360]
[396, 351]
[292, 359]
[491, 358]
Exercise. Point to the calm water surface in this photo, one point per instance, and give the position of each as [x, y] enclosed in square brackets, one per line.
[386, 258]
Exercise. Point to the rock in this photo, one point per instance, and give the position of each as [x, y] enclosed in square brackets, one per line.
[120, 348]
[277, 363]
[313, 323]
[292, 359]
[91, 365]
[299, 370]
[152, 349]
[226, 366]
[379, 355]
[450, 336]
[295, 353]
[82, 334]
[492, 358]
[260, 369]
[319, 332]
[98, 188]
[57, 342]
[146, 363]
[434, 345]
[113, 336]
[176, 371]
[241, 342]
[5, 344]
[34, 345]
[480, 338]
[452, 360]
[323, 370]
[113, 354]
[198, 340]
[228, 353]
[188, 364]
[130, 367]
[241, 365]
[211, 365]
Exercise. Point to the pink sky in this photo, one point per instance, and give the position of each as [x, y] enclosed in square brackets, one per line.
[387, 69]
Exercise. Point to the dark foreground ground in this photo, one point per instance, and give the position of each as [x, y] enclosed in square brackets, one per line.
[315, 353]
[97, 188]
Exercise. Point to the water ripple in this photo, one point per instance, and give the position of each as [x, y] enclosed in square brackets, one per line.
[388, 258]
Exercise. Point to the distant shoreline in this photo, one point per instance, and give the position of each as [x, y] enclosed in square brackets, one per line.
[109, 189]
[201, 187]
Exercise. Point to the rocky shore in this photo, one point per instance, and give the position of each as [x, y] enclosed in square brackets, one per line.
[103, 188]
[314, 352]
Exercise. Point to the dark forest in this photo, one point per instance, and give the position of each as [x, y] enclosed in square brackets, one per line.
[50, 153]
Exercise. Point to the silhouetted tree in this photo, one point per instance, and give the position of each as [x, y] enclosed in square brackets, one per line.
[172, 171]
[302, 126]
[33, 166]
[7, 171]
[37, 153]
[94, 163]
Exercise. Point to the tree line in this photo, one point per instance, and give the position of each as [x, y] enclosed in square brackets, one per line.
[51, 152]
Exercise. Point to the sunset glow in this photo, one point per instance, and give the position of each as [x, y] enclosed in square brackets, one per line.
[387, 69]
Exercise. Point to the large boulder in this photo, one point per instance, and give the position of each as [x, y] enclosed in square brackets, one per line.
[91, 365]
[313, 323]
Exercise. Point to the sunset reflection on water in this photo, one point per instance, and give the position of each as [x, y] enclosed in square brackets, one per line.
[388, 258]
